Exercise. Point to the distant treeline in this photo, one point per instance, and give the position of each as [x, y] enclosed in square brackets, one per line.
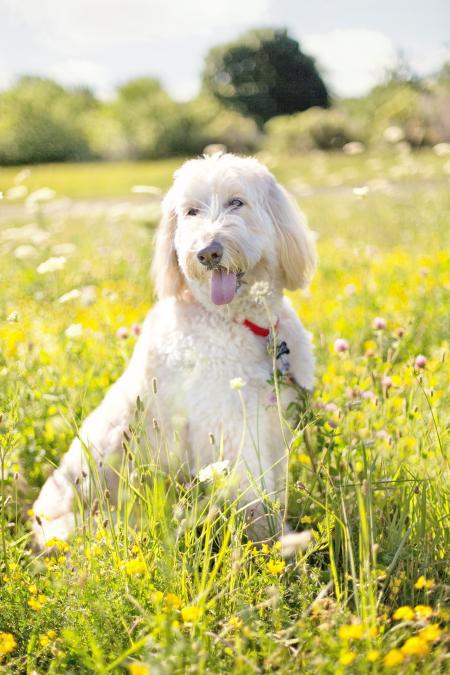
[41, 121]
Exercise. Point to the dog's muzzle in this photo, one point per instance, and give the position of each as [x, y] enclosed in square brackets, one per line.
[211, 255]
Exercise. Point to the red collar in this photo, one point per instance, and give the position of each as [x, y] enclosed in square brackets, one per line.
[257, 330]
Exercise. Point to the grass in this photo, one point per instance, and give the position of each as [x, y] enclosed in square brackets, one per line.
[168, 582]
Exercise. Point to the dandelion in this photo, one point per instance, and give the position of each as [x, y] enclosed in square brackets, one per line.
[208, 473]
[135, 567]
[259, 290]
[404, 613]
[173, 600]
[421, 361]
[341, 345]
[352, 631]
[393, 658]
[423, 582]
[237, 383]
[191, 614]
[276, 567]
[294, 541]
[75, 330]
[430, 633]
[7, 643]
[347, 658]
[423, 611]
[372, 655]
[415, 646]
[52, 265]
[138, 669]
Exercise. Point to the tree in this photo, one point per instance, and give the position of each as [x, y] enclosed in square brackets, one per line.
[264, 73]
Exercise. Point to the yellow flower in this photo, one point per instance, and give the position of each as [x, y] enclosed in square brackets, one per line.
[276, 566]
[37, 603]
[370, 348]
[352, 631]
[423, 611]
[33, 589]
[404, 613]
[415, 646]
[138, 669]
[347, 658]
[372, 655]
[305, 520]
[265, 549]
[393, 658]
[44, 641]
[135, 566]
[191, 614]
[173, 600]
[430, 633]
[7, 643]
[235, 622]
[305, 459]
[57, 543]
[423, 582]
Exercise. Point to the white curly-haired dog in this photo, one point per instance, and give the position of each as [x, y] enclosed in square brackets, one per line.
[230, 240]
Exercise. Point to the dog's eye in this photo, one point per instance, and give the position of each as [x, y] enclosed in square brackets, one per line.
[236, 203]
[192, 212]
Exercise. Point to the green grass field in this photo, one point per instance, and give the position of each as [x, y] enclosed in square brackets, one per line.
[168, 582]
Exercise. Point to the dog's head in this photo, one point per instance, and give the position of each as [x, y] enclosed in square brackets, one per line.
[226, 219]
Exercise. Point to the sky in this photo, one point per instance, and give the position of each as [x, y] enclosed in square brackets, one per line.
[103, 43]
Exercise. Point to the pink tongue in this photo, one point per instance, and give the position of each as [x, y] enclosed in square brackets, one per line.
[223, 287]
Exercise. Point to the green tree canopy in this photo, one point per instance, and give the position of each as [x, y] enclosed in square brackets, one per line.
[263, 74]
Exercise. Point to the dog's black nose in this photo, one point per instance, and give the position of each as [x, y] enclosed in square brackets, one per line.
[211, 255]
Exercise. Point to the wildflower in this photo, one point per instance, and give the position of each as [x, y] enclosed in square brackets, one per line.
[136, 329]
[173, 600]
[235, 622]
[361, 190]
[74, 294]
[370, 348]
[33, 589]
[135, 566]
[393, 134]
[352, 631]
[404, 613]
[354, 148]
[37, 604]
[209, 472]
[16, 192]
[7, 643]
[13, 317]
[138, 669]
[379, 323]
[430, 633]
[39, 196]
[191, 614]
[237, 383]
[393, 658]
[75, 330]
[52, 265]
[276, 566]
[25, 251]
[61, 545]
[423, 611]
[346, 658]
[122, 332]
[294, 541]
[259, 290]
[421, 361]
[372, 655]
[423, 582]
[415, 646]
[341, 345]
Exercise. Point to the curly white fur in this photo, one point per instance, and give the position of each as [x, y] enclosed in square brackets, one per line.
[194, 347]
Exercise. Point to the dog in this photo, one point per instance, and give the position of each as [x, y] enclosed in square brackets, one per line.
[229, 241]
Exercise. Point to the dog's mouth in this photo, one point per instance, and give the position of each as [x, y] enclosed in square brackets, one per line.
[224, 285]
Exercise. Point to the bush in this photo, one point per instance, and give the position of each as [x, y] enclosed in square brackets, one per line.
[313, 129]
[42, 122]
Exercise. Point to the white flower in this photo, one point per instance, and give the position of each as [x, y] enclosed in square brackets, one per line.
[216, 469]
[259, 290]
[25, 251]
[294, 541]
[393, 134]
[39, 196]
[75, 330]
[52, 265]
[74, 294]
[353, 148]
[361, 191]
[442, 149]
[13, 317]
[237, 383]
[146, 190]
[64, 249]
[16, 192]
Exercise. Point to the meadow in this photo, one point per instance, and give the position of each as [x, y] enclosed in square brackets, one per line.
[166, 581]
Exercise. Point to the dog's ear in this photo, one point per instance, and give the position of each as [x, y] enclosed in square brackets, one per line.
[297, 250]
[167, 276]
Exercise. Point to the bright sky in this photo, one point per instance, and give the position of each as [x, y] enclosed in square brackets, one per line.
[104, 42]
